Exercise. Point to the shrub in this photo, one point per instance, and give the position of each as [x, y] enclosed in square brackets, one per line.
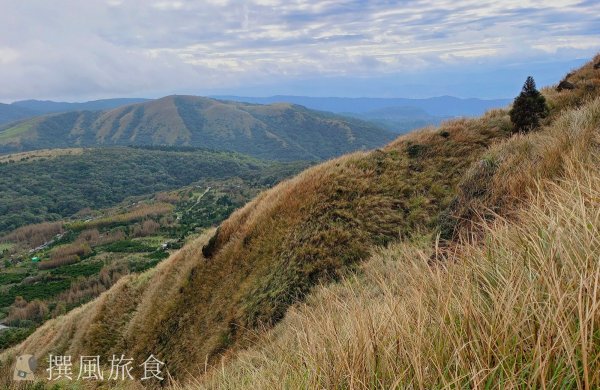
[58, 262]
[79, 249]
[146, 228]
[158, 255]
[85, 268]
[138, 213]
[44, 290]
[128, 246]
[9, 278]
[89, 287]
[34, 235]
[91, 236]
[111, 237]
[11, 337]
[415, 150]
[35, 311]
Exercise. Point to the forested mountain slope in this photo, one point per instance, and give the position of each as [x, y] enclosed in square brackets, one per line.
[62, 182]
[277, 131]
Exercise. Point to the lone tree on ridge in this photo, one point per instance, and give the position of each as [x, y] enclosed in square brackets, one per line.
[528, 108]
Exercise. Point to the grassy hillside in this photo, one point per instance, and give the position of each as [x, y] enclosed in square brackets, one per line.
[35, 189]
[10, 113]
[492, 186]
[277, 131]
[513, 306]
[516, 309]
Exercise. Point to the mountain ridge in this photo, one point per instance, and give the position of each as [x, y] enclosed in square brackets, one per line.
[436, 106]
[277, 131]
[25, 109]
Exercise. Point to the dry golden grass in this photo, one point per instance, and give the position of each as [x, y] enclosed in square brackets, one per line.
[500, 182]
[519, 308]
[447, 326]
[35, 310]
[310, 229]
[34, 235]
[59, 262]
[65, 255]
[114, 321]
[273, 251]
[73, 333]
[139, 212]
[586, 81]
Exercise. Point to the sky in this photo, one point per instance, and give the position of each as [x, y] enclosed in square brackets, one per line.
[78, 50]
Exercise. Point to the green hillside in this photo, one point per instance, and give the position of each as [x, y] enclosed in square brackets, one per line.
[276, 131]
[79, 258]
[39, 189]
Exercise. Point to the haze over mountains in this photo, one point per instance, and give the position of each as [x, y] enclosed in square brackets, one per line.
[29, 108]
[399, 115]
[443, 106]
[278, 131]
[436, 106]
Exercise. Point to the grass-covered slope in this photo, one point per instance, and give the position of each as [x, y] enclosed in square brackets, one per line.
[277, 131]
[43, 187]
[501, 181]
[517, 306]
[512, 305]
[269, 254]
[445, 324]
[517, 309]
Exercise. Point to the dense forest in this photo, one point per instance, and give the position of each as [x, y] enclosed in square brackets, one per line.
[48, 189]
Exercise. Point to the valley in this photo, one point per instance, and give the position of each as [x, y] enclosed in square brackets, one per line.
[72, 249]
[48, 186]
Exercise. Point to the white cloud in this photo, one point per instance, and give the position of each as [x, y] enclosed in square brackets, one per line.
[575, 42]
[8, 55]
[168, 5]
[75, 49]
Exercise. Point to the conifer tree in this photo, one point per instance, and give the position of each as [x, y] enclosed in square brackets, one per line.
[528, 108]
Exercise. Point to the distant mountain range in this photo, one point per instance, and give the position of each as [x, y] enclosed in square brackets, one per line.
[396, 114]
[399, 115]
[278, 131]
[29, 108]
[443, 106]
[399, 119]
[48, 106]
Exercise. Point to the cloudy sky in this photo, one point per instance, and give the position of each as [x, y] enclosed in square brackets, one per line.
[77, 50]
